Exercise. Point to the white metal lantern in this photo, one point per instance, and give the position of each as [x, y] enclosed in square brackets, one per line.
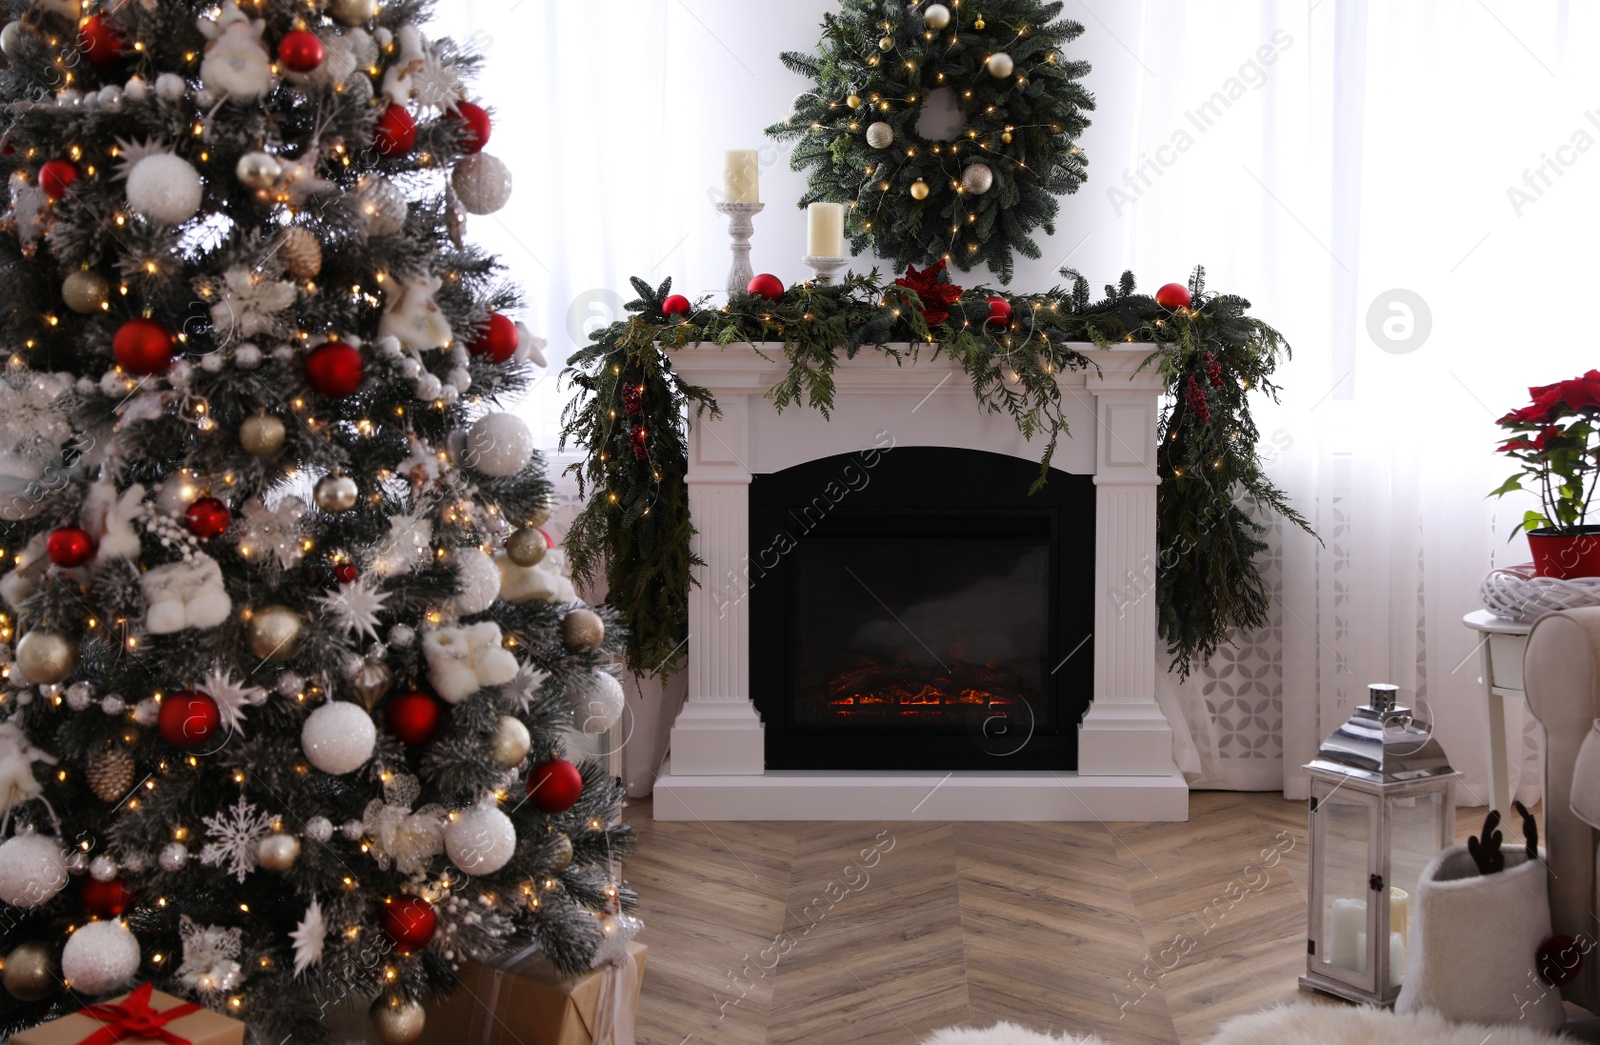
[1382, 805]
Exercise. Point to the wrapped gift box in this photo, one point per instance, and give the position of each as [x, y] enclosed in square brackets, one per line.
[143, 1009]
[521, 998]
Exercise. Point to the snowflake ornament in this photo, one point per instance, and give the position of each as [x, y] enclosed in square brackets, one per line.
[237, 830]
[232, 697]
[408, 545]
[308, 938]
[248, 304]
[210, 957]
[525, 684]
[273, 532]
[354, 608]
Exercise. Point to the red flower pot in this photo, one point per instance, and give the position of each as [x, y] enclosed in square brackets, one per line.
[1565, 555]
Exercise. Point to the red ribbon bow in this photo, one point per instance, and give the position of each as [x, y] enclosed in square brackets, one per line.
[133, 1017]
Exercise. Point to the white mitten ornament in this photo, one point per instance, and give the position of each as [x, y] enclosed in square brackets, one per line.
[462, 661]
[187, 594]
[414, 318]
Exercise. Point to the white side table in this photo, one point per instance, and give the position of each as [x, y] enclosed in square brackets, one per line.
[1500, 647]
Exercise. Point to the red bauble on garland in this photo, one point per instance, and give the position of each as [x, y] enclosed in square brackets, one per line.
[499, 341]
[188, 719]
[207, 518]
[413, 717]
[478, 127]
[143, 346]
[396, 132]
[678, 305]
[767, 286]
[554, 786]
[335, 369]
[70, 546]
[100, 42]
[56, 177]
[107, 899]
[1173, 296]
[300, 51]
[346, 573]
[999, 312]
[410, 922]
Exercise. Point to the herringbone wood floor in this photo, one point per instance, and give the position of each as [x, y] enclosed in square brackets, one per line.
[826, 934]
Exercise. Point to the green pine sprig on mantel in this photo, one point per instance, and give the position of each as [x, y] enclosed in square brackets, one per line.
[631, 417]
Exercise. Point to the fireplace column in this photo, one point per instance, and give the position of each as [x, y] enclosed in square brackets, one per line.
[1124, 732]
[718, 732]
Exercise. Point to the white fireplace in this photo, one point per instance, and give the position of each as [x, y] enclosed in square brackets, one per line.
[716, 768]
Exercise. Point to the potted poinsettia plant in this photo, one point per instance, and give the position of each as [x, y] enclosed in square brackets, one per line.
[1557, 442]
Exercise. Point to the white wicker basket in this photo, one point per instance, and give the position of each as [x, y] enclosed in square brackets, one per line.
[1517, 594]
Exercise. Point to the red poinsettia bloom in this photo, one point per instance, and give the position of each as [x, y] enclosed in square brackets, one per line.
[936, 297]
[1556, 439]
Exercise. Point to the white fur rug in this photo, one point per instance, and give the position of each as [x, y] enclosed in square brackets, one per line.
[1300, 1024]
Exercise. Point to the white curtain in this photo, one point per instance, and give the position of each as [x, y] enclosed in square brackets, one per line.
[1363, 170]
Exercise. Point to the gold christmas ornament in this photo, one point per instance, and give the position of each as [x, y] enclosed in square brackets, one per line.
[526, 547]
[854, 101]
[886, 44]
[582, 630]
[937, 16]
[561, 859]
[261, 435]
[372, 680]
[977, 178]
[880, 135]
[273, 633]
[301, 253]
[1005, 136]
[85, 291]
[978, 25]
[258, 170]
[46, 657]
[278, 851]
[353, 12]
[511, 741]
[32, 972]
[336, 493]
[110, 773]
[396, 1020]
[1000, 65]
[919, 189]
[541, 514]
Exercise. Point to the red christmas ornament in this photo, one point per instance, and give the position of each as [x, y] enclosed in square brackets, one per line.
[300, 51]
[346, 572]
[999, 312]
[107, 899]
[143, 346]
[409, 921]
[1173, 296]
[554, 786]
[678, 305]
[413, 717]
[396, 132]
[478, 126]
[936, 295]
[549, 542]
[207, 518]
[188, 719]
[56, 176]
[767, 286]
[69, 546]
[100, 42]
[335, 369]
[499, 342]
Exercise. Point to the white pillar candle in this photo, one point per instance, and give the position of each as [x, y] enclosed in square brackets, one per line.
[1361, 953]
[825, 230]
[1397, 959]
[741, 176]
[1346, 934]
[1399, 910]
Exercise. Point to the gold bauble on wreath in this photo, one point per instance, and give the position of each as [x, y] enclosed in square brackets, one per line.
[978, 178]
[85, 291]
[262, 435]
[886, 44]
[110, 773]
[919, 189]
[273, 633]
[32, 972]
[47, 657]
[1000, 65]
[302, 253]
[396, 1020]
[526, 547]
[937, 16]
[978, 25]
[582, 630]
[854, 101]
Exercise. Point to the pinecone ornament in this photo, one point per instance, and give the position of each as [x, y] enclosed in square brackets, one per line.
[302, 254]
[110, 773]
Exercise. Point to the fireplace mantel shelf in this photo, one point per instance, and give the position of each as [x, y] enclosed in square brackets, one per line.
[716, 769]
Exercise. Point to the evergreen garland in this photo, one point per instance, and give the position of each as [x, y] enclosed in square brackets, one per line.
[877, 64]
[635, 527]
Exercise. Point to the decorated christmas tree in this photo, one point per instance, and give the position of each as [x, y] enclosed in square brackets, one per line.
[288, 659]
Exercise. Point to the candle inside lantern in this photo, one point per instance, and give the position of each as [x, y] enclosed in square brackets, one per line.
[1399, 911]
[741, 176]
[1397, 959]
[1347, 935]
[825, 230]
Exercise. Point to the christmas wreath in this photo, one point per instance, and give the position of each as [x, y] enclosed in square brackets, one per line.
[947, 130]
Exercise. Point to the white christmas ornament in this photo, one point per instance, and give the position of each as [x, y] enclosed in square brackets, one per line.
[380, 204]
[232, 697]
[462, 661]
[247, 304]
[237, 65]
[102, 868]
[546, 581]
[308, 938]
[406, 547]
[164, 187]
[597, 702]
[483, 183]
[499, 445]
[273, 531]
[354, 608]
[480, 840]
[530, 347]
[100, 957]
[413, 318]
[338, 737]
[397, 80]
[408, 840]
[178, 491]
[479, 579]
[110, 517]
[33, 869]
[172, 857]
[34, 427]
[23, 579]
[210, 957]
[186, 594]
